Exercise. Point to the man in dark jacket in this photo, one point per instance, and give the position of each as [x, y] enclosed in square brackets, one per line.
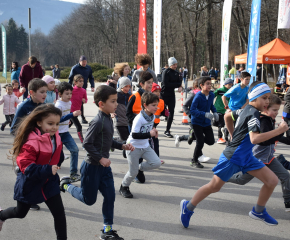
[30, 70]
[170, 81]
[56, 72]
[86, 71]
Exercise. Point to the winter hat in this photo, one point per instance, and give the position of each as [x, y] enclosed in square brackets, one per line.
[228, 81]
[48, 79]
[83, 58]
[171, 61]
[123, 81]
[57, 82]
[155, 87]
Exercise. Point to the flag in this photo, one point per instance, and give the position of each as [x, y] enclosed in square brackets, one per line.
[4, 74]
[142, 38]
[226, 23]
[157, 34]
[284, 14]
[253, 40]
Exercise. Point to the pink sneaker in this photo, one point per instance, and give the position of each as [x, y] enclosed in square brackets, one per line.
[162, 162]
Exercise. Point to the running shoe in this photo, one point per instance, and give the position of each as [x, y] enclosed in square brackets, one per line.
[177, 141]
[185, 214]
[111, 235]
[168, 134]
[263, 216]
[125, 192]
[74, 177]
[203, 159]
[221, 141]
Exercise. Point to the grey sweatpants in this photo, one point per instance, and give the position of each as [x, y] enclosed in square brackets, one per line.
[152, 162]
[277, 168]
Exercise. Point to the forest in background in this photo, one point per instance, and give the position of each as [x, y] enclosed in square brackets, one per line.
[106, 31]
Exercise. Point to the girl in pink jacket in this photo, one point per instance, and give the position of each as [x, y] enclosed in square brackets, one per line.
[9, 100]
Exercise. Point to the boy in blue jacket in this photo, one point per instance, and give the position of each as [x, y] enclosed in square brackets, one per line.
[201, 118]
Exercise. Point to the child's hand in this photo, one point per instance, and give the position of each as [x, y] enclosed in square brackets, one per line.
[113, 115]
[23, 90]
[284, 126]
[77, 113]
[54, 169]
[105, 162]
[84, 100]
[156, 136]
[128, 146]
[153, 132]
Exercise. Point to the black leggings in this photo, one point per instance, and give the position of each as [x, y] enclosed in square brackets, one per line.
[123, 132]
[76, 122]
[56, 208]
[202, 135]
[82, 110]
[9, 119]
[170, 103]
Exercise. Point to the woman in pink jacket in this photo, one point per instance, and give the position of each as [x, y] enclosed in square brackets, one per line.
[10, 101]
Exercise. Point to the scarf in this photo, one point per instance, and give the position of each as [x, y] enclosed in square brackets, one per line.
[147, 118]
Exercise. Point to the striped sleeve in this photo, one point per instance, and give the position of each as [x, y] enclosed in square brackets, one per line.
[254, 124]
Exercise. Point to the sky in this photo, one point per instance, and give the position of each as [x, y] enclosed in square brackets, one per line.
[74, 1]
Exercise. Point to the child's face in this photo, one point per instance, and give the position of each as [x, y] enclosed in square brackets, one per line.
[207, 86]
[229, 85]
[110, 106]
[39, 96]
[262, 103]
[80, 83]
[15, 85]
[49, 124]
[66, 96]
[51, 86]
[151, 108]
[245, 81]
[147, 86]
[126, 71]
[126, 89]
[9, 90]
[273, 111]
[157, 92]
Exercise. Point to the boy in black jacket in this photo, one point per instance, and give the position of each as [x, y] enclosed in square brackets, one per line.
[96, 173]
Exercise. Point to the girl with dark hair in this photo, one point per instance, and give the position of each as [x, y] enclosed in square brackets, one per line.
[15, 71]
[36, 150]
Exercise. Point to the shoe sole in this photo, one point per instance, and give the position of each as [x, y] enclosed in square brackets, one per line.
[125, 196]
[221, 142]
[251, 215]
[181, 208]
[287, 210]
[168, 136]
[34, 209]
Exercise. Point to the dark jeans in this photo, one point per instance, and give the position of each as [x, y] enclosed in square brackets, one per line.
[170, 103]
[96, 178]
[55, 206]
[202, 135]
[76, 122]
[9, 119]
[71, 145]
[123, 132]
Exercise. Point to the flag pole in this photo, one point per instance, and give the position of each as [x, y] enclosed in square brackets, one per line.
[29, 25]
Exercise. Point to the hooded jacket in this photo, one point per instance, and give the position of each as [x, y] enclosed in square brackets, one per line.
[50, 97]
[9, 103]
[28, 73]
[15, 74]
[35, 182]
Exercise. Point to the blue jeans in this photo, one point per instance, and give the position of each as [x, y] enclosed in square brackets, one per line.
[71, 145]
[96, 178]
[184, 80]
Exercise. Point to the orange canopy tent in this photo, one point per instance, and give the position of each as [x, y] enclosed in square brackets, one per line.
[275, 52]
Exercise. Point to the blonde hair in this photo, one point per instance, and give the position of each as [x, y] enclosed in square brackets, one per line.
[119, 68]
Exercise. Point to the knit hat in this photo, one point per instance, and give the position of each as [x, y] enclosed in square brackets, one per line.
[228, 81]
[48, 79]
[83, 58]
[171, 61]
[123, 81]
[155, 87]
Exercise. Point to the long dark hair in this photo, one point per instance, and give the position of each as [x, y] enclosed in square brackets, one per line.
[16, 66]
[28, 124]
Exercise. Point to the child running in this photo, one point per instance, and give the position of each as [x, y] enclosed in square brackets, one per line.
[265, 150]
[142, 130]
[238, 156]
[201, 118]
[79, 96]
[36, 150]
[9, 100]
[64, 104]
[96, 173]
[16, 91]
[50, 94]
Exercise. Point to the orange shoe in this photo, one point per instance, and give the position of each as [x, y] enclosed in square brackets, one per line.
[221, 141]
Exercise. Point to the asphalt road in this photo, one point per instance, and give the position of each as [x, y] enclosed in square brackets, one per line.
[153, 213]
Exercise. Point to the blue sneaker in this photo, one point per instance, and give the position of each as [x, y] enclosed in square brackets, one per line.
[185, 214]
[263, 216]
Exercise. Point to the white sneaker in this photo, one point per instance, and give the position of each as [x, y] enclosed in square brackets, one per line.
[66, 157]
[203, 159]
[177, 141]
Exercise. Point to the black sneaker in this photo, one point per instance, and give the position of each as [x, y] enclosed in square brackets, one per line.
[167, 134]
[84, 121]
[34, 207]
[141, 177]
[287, 206]
[64, 180]
[74, 177]
[191, 137]
[111, 235]
[2, 127]
[125, 192]
[196, 164]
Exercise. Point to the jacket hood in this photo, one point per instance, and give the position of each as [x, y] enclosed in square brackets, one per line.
[36, 135]
[36, 65]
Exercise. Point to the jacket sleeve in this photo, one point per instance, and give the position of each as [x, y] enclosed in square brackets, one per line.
[287, 96]
[94, 129]
[117, 145]
[212, 107]
[71, 76]
[130, 115]
[134, 78]
[141, 135]
[26, 163]
[66, 117]
[194, 111]
[85, 96]
[154, 77]
[1, 101]
[285, 140]
[187, 104]
[166, 82]
[91, 79]
[22, 78]
[265, 126]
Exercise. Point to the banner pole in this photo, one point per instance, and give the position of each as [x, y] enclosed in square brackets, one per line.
[29, 25]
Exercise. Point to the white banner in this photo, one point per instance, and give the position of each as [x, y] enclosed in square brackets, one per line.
[157, 34]
[227, 12]
[284, 14]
